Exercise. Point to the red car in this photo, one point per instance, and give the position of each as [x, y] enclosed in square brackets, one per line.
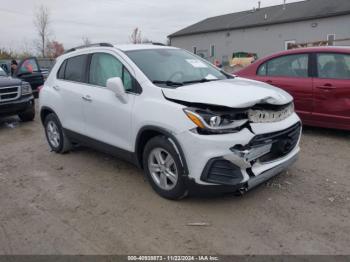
[318, 78]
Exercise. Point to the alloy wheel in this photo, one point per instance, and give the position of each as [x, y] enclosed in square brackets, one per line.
[53, 134]
[162, 168]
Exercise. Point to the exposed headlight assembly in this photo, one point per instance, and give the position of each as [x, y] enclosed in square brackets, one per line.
[26, 89]
[215, 123]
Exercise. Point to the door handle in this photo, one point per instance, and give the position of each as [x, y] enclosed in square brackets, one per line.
[327, 87]
[57, 88]
[87, 98]
[269, 81]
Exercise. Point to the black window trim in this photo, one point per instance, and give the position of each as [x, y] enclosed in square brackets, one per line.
[276, 57]
[136, 87]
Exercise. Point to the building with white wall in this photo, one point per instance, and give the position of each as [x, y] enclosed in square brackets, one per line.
[267, 30]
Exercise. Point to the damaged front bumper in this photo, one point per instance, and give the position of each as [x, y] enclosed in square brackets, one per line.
[257, 180]
[249, 161]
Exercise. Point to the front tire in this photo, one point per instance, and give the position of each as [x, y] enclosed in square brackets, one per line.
[163, 168]
[57, 139]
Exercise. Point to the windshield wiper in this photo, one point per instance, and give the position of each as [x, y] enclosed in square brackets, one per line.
[171, 83]
[168, 83]
[203, 80]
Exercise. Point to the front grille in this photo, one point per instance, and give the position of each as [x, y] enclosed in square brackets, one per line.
[9, 93]
[221, 171]
[283, 142]
[266, 115]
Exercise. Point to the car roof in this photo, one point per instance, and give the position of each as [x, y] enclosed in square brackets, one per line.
[323, 49]
[124, 48]
[133, 47]
[345, 49]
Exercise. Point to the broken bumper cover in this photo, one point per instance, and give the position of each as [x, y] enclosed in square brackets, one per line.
[237, 172]
[242, 160]
[242, 187]
[257, 180]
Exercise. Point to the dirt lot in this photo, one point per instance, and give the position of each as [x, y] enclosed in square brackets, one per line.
[86, 202]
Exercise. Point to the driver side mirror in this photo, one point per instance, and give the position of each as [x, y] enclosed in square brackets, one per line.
[115, 84]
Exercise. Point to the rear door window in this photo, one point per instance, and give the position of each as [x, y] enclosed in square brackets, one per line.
[262, 70]
[75, 69]
[333, 66]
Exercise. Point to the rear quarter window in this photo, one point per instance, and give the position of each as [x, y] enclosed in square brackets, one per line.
[262, 70]
[61, 71]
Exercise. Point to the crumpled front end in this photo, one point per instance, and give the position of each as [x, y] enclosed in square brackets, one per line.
[244, 159]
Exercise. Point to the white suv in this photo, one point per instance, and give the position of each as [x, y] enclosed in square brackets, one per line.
[188, 124]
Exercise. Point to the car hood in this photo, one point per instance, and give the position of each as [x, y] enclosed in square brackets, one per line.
[236, 93]
[9, 81]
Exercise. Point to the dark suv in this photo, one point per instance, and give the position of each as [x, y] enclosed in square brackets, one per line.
[16, 97]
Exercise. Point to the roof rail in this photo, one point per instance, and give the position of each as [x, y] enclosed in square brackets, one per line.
[158, 44]
[86, 46]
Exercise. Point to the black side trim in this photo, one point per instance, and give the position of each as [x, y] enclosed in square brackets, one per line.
[313, 65]
[213, 190]
[166, 133]
[221, 171]
[101, 146]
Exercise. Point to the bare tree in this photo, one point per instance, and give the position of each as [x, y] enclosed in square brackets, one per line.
[86, 40]
[136, 37]
[42, 24]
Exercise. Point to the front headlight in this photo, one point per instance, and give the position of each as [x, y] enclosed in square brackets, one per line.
[216, 122]
[26, 89]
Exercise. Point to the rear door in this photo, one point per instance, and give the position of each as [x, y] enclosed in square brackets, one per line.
[69, 88]
[332, 90]
[291, 73]
[29, 70]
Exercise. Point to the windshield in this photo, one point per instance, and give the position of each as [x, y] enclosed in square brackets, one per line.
[174, 67]
[2, 72]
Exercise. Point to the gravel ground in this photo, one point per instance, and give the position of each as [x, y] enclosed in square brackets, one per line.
[86, 202]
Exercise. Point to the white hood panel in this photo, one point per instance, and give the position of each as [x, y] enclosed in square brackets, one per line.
[235, 93]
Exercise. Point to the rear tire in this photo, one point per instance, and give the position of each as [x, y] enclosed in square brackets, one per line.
[163, 169]
[57, 139]
[28, 114]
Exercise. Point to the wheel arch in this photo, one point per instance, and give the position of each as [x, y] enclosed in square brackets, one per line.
[148, 132]
[44, 112]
